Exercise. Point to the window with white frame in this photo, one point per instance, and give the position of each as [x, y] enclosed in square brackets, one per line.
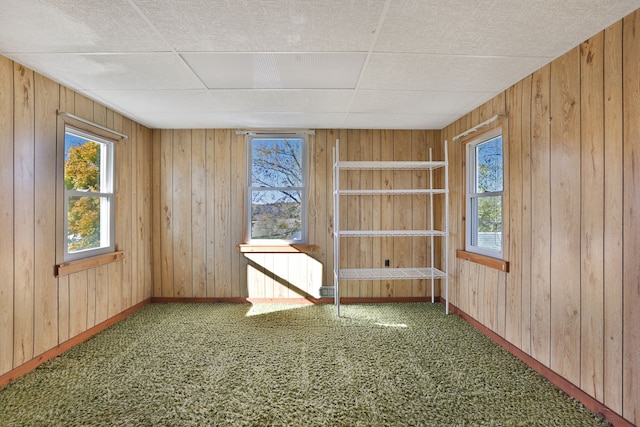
[89, 205]
[485, 165]
[277, 188]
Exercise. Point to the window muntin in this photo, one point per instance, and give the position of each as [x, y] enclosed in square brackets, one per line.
[485, 167]
[89, 206]
[277, 191]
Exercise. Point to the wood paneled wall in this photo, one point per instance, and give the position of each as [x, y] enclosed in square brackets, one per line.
[572, 228]
[37, 310]
[199, 186]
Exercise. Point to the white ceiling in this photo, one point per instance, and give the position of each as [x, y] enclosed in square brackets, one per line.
[392, 64]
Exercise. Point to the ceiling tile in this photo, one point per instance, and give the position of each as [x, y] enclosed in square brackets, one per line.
[157, 101]
[486, 27]
[398, 121]
[247, 120]
[265, 26]
[446, 73]
[114, 71]
[413, 102]
[308, 101]
[75, 26]
[277, 70]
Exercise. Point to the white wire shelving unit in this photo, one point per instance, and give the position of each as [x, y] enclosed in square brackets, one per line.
[430, 273]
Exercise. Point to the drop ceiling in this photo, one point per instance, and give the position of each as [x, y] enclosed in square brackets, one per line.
[392, 64]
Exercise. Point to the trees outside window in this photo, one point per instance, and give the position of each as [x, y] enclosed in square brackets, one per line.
[277, 188]
[88, 189]
[484, 195]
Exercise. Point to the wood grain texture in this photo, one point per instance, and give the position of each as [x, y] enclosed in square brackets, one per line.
[45, 297]
[24, 215]
[182, 271]
[6, 214]
[565, 215]
[613, 217]
[540, 216]
[631, 218]
[199, 214]
[592, 216]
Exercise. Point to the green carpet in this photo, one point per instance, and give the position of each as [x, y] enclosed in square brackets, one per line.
[286, 365]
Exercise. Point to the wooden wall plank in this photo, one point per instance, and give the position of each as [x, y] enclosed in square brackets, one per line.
[46, 292]
[613, 215]
[24, 215]
[420, 246]
[115, 270]
[222, 213]
[376, 213]
[182, 220]
[238, 191]
[166, 215]
[351, 207]
[319, 217]
[365, 254]
[540, 215]
[526, 214]
[210, 183]
[592, 219]
[199, 214]
[6, 214]
[402, 210]
[631, 218]
[125, 206]
[513, 326]
[78, 303]
[565, 215]
[387, 211]
[156, 209]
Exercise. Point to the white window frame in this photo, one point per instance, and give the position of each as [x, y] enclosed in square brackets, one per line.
[250, 136]
[106, 195]
[472, 197]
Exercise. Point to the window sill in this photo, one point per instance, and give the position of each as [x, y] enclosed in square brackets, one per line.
[253, 248]
[496, 263]
[87, 263]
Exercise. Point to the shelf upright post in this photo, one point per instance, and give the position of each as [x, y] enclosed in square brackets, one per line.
[431, 227]
[336, 227]
[446, 222]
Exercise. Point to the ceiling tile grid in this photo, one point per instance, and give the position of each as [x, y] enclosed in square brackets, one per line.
[396, 64]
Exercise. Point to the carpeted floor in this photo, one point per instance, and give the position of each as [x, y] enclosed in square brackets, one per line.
[285, 365]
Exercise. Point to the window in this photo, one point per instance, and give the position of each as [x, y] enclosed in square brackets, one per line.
[277, 188]
[484, 195]
[88, 195]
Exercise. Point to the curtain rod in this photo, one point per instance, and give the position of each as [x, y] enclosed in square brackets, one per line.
[89, 122]
[476, 127]
[275, 132]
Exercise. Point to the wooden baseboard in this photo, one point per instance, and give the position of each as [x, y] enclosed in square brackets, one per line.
[58, 350]
[556, 379]
[294, 300]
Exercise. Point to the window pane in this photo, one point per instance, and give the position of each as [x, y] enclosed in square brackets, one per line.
[82, 163]
[276, 163]
[488, 229]
[86, 215]
[276, 215]
[489, 165]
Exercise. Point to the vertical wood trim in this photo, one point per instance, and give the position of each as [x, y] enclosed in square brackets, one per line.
[376, 213]
[592, 216]
[24, 215]
[238, 191]
[387, 211]
[366, 217]
[565, 215]
[631, 219]
[613, 213]
[6, 214]
[420, 246]
[540, 216]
